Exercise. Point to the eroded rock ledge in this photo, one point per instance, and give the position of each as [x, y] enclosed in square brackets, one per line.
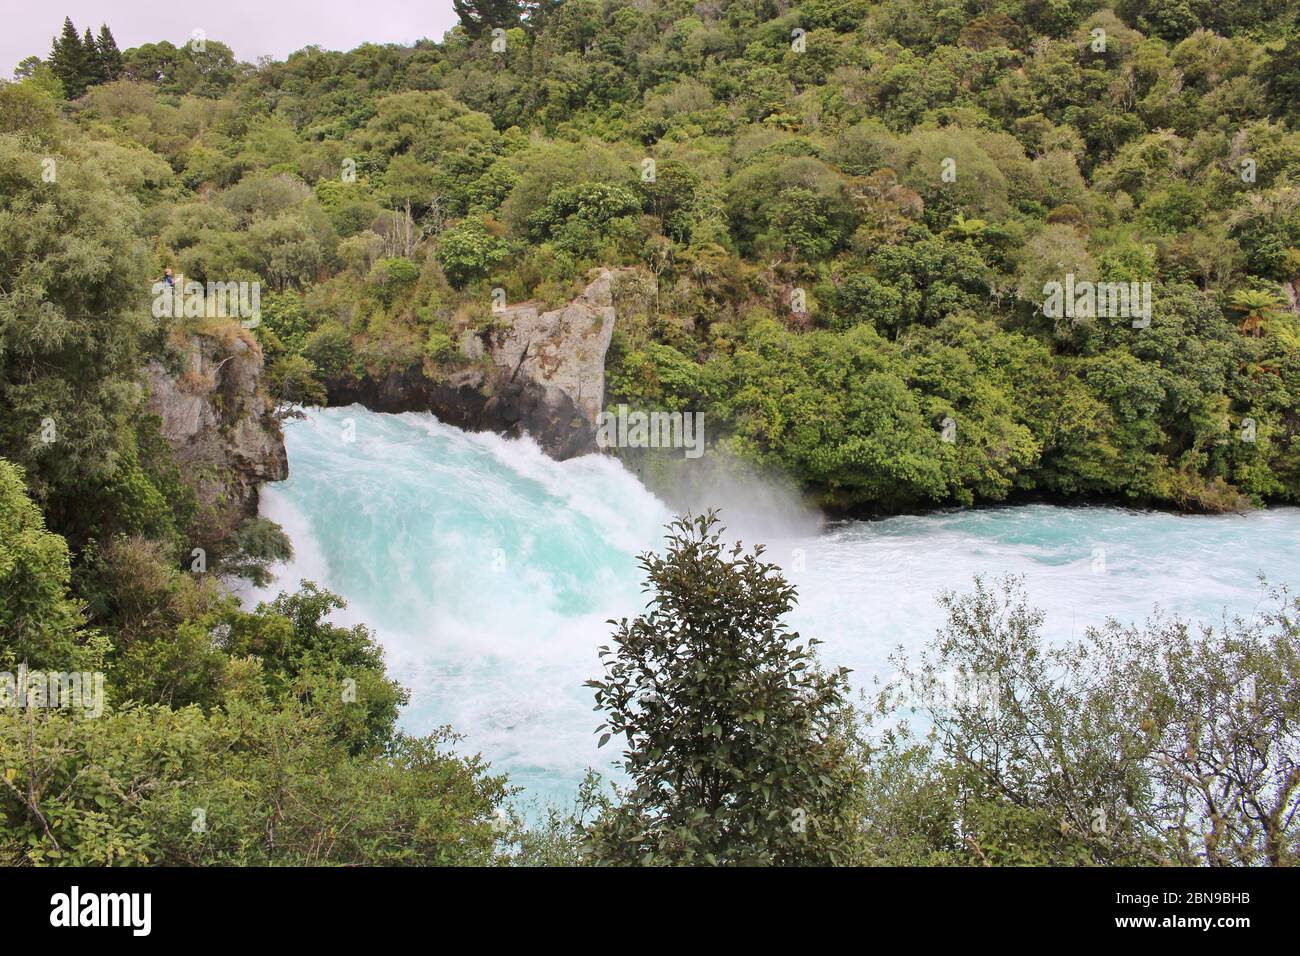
[545, 376]
[219, 422]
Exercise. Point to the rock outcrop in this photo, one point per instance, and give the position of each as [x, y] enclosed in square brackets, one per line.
[220, 424]
[562, 349]
[545, 376]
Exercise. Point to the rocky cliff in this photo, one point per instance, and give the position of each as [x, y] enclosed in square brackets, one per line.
[219, 422]
[544, 375]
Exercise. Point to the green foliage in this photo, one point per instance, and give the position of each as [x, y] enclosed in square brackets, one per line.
[398, 272]
[206, 72]
[27, 110]
[862, 423]
[469, 252]
[82, 62]
[863, 299]
[339, 669]
[833, 411]
[1141, 745]
[249, 786]
[72, 321]
[286, 318]
[258, 543]
[579, 218]
[482, 16]
[439, 346]
[106, 51]
[40, 624]
[736, 741]
[1258, 308]
[71, 62]
[329, 349]
[293, 380]
[910, 169]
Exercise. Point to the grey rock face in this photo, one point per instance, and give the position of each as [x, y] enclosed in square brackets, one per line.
[220, 424]
[546, 377]
[564, 348]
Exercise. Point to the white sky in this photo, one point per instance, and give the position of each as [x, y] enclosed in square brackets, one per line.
[251, 28]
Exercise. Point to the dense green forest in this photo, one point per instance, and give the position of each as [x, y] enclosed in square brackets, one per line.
[383, 193]
[835, 222]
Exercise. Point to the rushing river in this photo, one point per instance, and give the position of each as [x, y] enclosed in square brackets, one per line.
[488, 572]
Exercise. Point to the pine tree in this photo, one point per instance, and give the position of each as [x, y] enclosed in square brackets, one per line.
[110, 57]
[68, 60]
[27, 67]
[478, 17]
[93, 72]
[537, 12]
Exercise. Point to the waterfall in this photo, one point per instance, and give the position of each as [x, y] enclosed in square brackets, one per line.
[488, 571]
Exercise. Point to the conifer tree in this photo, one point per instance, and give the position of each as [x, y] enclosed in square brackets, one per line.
[27, 66]
[110, 57]
[93, 72]
[68, 60]
[478, 17]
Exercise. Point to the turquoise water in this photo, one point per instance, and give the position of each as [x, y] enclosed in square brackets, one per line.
[488, 572]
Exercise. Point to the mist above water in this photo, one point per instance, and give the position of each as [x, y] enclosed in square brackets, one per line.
[488, 570]
[757, 505]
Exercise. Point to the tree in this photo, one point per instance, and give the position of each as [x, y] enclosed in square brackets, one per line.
[258, 543]
[93, 73]
[292, 380]
[1283, 78]
[1258, 307]
[537, 13]
[152, 63]
[27, 66]
[270, 786]
[835, 411]
[966, 230]
[483, 16]
[1224, 706]
[1036, 764]
[1154, 744]
[738, 744]
[29, 110]
[468, 251]
[1267, 225]
[39, 622]
[72, 321]
[69, 60]
[110, 58]
[580, 219]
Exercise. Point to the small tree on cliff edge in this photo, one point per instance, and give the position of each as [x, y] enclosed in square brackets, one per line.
[741, 749]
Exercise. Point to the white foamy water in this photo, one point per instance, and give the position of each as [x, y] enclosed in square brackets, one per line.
[488, 572]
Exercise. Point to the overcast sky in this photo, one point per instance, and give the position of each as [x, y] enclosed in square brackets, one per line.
[251, 28]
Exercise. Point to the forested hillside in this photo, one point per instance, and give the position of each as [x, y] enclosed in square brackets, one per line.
[845, 215]
[838, 220]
